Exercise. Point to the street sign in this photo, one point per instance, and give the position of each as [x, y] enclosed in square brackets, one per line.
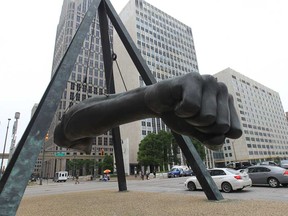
[60, 154]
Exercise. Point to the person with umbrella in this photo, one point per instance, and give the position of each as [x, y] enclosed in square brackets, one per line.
[106, 175]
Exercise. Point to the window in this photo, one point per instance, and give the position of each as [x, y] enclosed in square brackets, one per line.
[217, 172]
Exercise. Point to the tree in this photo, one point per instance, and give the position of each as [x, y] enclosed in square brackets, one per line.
[161, 149]
[89, 166]
[199, 147]
[158, 150]
[169, 150]
[78, 166]
[150, 151]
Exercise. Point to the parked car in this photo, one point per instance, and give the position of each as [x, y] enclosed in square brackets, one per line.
[268, 175]
[188, 172]
[284, 164]
[226, 180]
[175, 172]
[272, 163]
[33, 178]
[238, 165]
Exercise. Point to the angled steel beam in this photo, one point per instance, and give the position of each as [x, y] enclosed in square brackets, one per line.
[184, 142]
[20, 167]
[108, 63]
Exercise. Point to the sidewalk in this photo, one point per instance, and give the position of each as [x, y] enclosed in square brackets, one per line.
[113, 203]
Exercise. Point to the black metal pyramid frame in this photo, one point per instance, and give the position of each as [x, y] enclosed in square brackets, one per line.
[16, 176]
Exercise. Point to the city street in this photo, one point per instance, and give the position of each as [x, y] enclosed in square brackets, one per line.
[160, 185]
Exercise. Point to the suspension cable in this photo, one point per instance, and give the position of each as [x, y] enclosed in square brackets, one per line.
[114, 57]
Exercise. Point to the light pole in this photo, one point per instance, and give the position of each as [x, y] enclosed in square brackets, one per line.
[95, 164]
[4, 147]
[42, 163]
[14, 132]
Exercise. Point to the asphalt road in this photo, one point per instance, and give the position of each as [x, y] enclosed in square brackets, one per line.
[159, 185]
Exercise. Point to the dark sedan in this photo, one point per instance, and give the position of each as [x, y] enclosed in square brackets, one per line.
[175, 172]
[268, 175]
[188, 172]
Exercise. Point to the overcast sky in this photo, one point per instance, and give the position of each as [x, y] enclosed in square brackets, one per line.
[249, 36]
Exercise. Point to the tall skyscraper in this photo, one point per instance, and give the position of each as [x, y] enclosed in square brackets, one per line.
[167, 46]
[265, 128]
[87, 79]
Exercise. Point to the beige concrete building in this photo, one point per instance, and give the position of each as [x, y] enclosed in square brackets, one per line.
[168, 48]
[265, 128]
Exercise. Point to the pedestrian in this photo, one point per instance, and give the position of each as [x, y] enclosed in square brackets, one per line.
[147, 175]
[142, 175]
[135, 173]
[77, 179]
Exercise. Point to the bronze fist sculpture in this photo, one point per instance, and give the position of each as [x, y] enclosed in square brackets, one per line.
[191, 104]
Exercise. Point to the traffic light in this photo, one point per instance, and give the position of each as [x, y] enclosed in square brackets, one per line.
[46, 137]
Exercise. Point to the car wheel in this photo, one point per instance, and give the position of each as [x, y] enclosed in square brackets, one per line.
[191, 186]
[226, 187]
[273, 182]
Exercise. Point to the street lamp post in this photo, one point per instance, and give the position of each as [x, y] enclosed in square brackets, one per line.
[43, 156]
[95, 163]
[14, 132]
[4, 148]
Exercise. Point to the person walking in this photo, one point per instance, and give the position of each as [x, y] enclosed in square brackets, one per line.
[77, 179]
[135, 173]
[147, 175]
[142, 175]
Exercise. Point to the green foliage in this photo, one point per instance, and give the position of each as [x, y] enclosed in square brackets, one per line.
[150, 150]
[199, 147]
[78, 164]
[158, 150]
[161, 149]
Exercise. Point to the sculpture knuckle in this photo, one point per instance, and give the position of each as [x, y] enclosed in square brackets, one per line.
[223, 88]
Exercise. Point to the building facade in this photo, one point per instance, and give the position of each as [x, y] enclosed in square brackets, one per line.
[265, 128]
[87, 79]
[167, 46]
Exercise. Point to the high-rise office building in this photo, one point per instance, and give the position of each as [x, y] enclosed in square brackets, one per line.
[167, 46]
[265, 128]
[87, 79]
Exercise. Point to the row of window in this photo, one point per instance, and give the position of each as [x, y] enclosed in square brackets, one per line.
[259, 89]
[159, 35]
[265, 146]
[267, 153]
[251, 132]
[149, 12]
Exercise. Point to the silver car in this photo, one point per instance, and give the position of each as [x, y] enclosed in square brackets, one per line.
[268, 175]
[284, 164]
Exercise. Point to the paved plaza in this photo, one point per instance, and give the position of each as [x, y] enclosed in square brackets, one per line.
[103, 198]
